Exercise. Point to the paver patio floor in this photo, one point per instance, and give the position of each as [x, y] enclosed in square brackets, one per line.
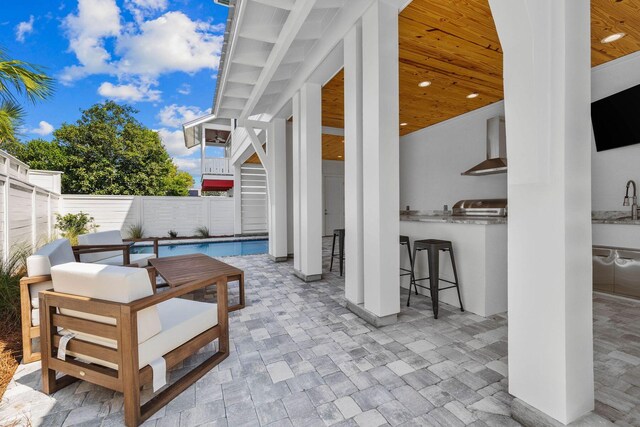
[298, 357]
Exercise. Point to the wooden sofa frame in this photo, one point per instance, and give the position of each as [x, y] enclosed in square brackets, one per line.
[128, 378]
[30, 332]
[124, 247]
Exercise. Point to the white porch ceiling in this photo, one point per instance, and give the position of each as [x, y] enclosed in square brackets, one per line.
[269, 43]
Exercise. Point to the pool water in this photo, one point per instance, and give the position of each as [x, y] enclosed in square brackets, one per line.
[214, 249]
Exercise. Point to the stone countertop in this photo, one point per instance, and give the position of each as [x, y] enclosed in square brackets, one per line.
[613, 217]
[450, 219]
[598, 217]
[621, 221]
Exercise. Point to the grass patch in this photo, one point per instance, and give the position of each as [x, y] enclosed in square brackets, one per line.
[135, 231]
[202, 231]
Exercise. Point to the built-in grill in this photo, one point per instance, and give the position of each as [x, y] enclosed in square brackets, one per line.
[485, 207]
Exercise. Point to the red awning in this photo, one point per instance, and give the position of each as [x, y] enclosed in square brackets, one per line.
[217, 184]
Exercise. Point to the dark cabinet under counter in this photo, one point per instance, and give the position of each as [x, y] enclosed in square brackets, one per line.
[616, 271]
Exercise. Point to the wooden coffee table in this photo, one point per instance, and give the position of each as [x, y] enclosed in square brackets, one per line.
[181, 269]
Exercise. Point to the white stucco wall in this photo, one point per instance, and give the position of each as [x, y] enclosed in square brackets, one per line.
[432, 159]
[611, 169]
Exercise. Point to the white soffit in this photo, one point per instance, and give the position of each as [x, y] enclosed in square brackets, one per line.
[274, 45]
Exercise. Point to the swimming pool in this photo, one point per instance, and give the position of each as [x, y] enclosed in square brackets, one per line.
[214, 249]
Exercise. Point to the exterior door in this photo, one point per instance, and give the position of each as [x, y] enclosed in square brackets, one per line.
[333, 203]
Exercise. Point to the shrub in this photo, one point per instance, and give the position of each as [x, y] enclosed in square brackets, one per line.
[73, 225]
[202, 231]
[135, 231]
[173, 234]
[11, 271]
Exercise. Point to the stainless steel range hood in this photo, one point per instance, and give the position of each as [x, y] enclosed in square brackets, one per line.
[496, 150]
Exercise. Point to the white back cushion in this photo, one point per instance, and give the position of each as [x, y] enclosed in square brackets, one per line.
[112, 237]
[111, 283]
[54, 253]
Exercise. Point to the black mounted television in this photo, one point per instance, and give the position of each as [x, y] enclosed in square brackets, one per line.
[616, 119]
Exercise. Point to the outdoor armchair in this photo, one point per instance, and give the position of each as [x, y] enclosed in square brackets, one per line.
[103, 324]
[38, 279]
[108, 247]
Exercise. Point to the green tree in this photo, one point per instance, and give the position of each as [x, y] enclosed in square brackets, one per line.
[18, 78]
[38, 154]
[178, 184]
[107, 151]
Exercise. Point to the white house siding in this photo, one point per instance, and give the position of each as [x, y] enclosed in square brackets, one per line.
[254, 199]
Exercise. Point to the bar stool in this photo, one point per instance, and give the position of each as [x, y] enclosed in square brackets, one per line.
[404, 241]
[433, 248]
[339, 233]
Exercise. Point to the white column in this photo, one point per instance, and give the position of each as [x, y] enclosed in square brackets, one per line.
[546, 47]
[354, 244]
[308, 173]
[203, 149]
[297, 242]
[380, 168]
[277, 155]
[237, 199]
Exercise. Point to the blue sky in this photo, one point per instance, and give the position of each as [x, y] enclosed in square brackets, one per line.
[160, 56]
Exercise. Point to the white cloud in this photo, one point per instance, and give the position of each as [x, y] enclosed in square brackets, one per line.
[129, 92]
[95, 21]
[43, 129]
[143, 49]
[173, 141]
[24, 28]
[174, 115]
[172, 42]
[184, 89]
[140, 9]
[189, 165]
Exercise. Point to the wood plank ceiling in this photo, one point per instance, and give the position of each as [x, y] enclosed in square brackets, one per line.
[332, 149]
[454, 45]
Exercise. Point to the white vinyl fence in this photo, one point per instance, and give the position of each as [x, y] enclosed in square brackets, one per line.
[157, 215]
[29, 201]
[26, 210]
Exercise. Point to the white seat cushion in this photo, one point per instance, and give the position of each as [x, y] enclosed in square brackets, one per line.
[54, 253]
[141, 260]
[37, 288]
[112, 237]
[111, 283]
[181, 321]
[35, 317]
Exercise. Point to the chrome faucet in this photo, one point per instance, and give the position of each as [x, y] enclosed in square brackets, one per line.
[634, 205]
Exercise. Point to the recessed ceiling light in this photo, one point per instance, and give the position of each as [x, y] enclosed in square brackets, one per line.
[613, 37]
[424, 83]
[473, 95]
[403, 124]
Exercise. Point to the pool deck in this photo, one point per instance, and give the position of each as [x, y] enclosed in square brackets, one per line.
[300, 358]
